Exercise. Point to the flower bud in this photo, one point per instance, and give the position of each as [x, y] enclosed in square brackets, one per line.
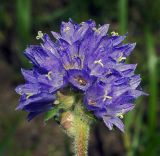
[66, 100]
[67, 120]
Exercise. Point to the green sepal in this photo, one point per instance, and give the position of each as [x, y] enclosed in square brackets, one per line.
[51, 113]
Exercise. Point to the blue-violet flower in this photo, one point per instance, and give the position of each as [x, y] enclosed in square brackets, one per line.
[87, 60]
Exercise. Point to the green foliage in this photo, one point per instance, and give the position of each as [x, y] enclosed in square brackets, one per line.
[23, 22]
[123, 15]
[51, 113]
[153, 83]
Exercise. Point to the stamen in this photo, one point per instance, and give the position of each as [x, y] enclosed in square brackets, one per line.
[113, 33]
[67, 29]
[120, 115]
[121, 58]
[40, 35]
[99, 62]
[28, 95]
[49, 75]
[106, 96]
[68, 66]
[80, 80]
[96, 30]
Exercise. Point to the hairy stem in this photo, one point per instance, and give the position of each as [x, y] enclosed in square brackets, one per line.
[77, 124]
[81, 137]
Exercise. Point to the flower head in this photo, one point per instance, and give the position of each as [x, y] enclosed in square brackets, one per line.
[87, 61]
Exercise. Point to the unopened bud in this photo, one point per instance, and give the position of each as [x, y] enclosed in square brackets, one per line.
[67, 120]
[66, 100]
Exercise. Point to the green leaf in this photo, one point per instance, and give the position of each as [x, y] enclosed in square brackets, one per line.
[153, 81]
[123, 15]
[50, 114]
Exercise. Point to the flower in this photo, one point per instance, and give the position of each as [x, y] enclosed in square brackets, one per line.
[87, 60]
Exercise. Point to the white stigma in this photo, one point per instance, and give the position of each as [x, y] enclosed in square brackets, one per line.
[49, 75]
[113, 33]
[28, 95]
[121, 58]
[120, 115]
[106, 96]
[40, 35]
[99, 62]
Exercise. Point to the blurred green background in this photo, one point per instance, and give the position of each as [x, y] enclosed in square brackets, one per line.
[19, 22]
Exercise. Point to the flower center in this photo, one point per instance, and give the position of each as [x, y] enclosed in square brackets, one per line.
[91, 102]
[80, 80]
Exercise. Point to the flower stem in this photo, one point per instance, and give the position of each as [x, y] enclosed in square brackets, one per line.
[81, 137]
[77, 124]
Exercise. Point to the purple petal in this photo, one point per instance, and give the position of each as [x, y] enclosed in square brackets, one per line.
[44, 99]
[31, 115]
[27, 89]
[110, 121]
[135, 81]
[80, 79]
[118, 40]
[56, 35]
[29, 76]
[102, 31]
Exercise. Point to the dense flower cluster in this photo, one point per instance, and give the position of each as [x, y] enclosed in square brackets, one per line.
[87, 59]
